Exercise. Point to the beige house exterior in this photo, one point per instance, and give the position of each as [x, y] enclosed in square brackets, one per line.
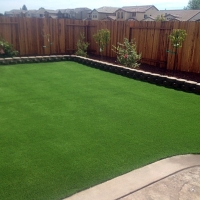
[102, 13]
[135, 12]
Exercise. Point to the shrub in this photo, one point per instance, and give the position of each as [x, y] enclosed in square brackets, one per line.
[82, 46]
[6, 49]
[127, 54]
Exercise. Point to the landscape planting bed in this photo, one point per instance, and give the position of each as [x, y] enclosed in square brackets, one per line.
[66, 127]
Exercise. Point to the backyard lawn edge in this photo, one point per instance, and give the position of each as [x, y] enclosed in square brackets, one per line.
[157, 79]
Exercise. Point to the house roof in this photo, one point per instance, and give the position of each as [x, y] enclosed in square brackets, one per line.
[106, 9]
[77, 10]
[182, 15]
[111, 18]
[68, 10]
[14, 11]
[137, 8]
[52, 11]
[31, 11]
[132, 19]
[150, 17]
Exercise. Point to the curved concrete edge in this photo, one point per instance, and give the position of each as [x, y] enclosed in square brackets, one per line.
[157, 79]
[138, 179]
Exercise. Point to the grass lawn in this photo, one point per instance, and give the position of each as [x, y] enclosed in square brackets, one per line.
[65, 127]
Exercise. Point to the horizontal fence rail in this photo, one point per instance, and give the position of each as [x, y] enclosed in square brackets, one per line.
[39, 37]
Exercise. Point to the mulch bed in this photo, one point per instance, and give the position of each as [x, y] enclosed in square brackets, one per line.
[153, 69]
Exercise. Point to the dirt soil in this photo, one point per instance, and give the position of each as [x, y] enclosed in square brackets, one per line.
[153, 69]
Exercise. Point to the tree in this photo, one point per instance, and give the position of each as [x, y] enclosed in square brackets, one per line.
[24, 7]
[102, 38]
[160, 18]
[177, 37]
[193, 4]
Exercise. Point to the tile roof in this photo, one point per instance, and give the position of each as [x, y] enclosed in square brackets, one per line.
[52, 11]
[107, 9]
[137, 8]
[182, 15]
[15, 11]
[31, 12]
[81, 9]
[68, 10]
[150, 17]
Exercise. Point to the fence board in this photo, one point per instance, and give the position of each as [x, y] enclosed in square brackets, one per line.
[196, 58]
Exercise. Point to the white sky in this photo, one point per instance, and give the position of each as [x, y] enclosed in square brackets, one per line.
[7, 5]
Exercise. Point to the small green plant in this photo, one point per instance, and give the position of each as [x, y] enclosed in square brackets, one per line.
[6, 49]
[160, 18]
[82, 46]
[177, 38]
[127, 54]
[102, 38]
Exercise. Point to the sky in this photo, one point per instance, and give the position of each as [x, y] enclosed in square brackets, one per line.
[7, 5]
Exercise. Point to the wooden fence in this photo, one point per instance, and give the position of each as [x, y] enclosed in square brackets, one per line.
[30, 35]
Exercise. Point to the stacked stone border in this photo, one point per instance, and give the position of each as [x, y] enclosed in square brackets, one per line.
[166, 81]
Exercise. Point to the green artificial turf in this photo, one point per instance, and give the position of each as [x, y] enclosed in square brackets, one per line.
[65, 127]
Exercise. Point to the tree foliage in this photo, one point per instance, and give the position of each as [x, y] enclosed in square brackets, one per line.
[160, 18]
[24, 7]
[177, 37]
[193, 4]
[102, 38]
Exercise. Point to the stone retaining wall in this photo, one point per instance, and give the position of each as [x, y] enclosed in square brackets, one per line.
[166, 81]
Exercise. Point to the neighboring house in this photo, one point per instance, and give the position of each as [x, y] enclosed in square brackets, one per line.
[65, 13]
[15, 13]
[30, 13]
[40, 13]
[180, 15]
[77, 13]
[102, 13]
[82, 13]
[51, 14]
[130, 13]
[36, 13]
[135, 12]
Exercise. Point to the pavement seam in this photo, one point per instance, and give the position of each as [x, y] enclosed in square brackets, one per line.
[156, 181]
